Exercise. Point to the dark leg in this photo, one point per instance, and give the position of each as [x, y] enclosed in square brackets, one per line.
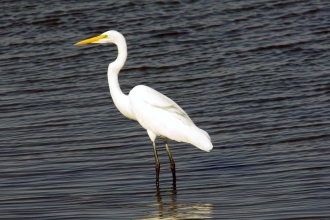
[157, 163]
[171, 160]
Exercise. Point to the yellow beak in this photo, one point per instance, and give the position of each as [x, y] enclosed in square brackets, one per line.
[91, 40]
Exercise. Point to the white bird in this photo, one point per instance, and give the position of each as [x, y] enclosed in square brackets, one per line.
[155, 112]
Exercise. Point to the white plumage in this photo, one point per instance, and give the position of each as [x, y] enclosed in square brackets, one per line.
[160, 115]
[155, 112]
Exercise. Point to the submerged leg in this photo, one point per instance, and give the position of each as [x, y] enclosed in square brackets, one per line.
[157, 163]
[171, 160]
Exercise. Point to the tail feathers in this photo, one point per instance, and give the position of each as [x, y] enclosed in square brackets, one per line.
[201, 139]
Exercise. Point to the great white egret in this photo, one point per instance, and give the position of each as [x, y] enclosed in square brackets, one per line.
[155, 112]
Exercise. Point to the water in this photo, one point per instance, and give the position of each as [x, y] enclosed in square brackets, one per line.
[254, 74]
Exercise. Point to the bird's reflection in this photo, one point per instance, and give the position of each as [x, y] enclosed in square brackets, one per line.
[172, 209]
[171, 205]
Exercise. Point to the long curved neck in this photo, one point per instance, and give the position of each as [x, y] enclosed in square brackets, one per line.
[122, 53]
[119, 98]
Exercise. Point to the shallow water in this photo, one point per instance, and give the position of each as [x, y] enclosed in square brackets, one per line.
[254, 74]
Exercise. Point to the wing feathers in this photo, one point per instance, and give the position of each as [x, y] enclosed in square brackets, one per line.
[160, 101]
[159, 114]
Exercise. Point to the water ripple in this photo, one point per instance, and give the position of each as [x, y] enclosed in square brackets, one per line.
[254, 74]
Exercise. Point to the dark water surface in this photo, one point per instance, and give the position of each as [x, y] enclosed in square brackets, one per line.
[255, 74]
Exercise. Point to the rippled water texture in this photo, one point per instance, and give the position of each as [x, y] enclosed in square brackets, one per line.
[254, 74]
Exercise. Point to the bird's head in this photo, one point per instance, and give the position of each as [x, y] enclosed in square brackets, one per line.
[105, 38]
